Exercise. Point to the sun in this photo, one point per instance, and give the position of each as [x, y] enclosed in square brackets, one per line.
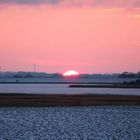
[70, 73]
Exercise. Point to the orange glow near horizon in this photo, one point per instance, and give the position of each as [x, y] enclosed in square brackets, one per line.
[90, 40]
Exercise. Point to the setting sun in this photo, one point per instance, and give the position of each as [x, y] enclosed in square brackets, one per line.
[71, 73]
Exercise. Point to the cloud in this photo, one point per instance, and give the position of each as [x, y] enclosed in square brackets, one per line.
[93, 3]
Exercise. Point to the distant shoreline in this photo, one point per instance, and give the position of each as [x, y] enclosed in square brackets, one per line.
[56, 82]
[48, 100]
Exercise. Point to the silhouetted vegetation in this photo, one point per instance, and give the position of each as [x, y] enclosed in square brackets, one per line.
[23, 75]
[129, 75]
[134, 82]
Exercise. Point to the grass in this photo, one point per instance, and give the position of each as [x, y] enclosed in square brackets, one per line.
[43, 100]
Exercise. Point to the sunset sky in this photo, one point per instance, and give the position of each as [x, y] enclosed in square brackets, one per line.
[89, 36]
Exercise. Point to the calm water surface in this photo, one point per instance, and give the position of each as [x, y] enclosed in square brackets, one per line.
[62, 89]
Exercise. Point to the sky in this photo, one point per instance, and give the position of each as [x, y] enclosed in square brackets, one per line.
[89, 36]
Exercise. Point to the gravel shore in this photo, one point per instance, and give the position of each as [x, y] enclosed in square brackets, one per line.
[70, 123]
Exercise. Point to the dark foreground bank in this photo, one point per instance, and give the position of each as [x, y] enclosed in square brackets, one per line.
[40, 100]
[106, 86]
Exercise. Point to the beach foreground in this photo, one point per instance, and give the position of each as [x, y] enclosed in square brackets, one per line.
[73, 123]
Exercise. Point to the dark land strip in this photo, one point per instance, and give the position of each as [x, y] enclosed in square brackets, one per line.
[105, 86]
[46, 100]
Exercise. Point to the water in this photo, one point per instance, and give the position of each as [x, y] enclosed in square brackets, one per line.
[62, 89]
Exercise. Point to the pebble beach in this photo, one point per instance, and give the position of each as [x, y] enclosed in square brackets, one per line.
[70, 123]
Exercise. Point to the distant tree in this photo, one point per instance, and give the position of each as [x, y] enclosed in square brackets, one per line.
[138, 74]
[20, 74]
[28, 75]
[134, 82]
[128, 75]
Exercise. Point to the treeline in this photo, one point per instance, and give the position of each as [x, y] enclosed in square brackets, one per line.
[134, 82]
[129, 75]
[22, 74]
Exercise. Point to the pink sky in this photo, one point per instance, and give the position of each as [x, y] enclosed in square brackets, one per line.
[59, 37]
